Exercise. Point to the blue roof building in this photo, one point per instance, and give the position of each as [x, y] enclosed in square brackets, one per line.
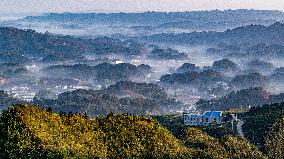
[207, 118]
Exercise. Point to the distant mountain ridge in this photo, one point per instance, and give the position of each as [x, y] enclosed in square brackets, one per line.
[161, 18]
[252, 34]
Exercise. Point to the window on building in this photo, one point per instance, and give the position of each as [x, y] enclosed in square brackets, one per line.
[206, 120]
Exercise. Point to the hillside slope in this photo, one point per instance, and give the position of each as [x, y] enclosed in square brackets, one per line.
[253, 34]
[33, 132]
[259, 121]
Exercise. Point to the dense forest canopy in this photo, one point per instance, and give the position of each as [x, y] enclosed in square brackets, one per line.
[122, 97]
[241, 99]
[32, 132]
[19, 45]
[260, 126]
[250, 34]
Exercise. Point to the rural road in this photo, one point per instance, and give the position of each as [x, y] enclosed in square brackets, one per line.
[239, 126]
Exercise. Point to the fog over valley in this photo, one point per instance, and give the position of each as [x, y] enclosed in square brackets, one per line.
[192, 57]
[141, 79]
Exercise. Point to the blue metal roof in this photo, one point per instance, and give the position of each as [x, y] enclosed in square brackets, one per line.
[213, 113]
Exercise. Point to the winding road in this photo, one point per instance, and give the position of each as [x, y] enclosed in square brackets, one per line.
[240, 123]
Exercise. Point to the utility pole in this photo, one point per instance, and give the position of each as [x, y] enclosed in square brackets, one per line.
[232, 122]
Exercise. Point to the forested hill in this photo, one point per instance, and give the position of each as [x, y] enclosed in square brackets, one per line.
[101, 72]
[122, 97]
[29, 43]
[252, 34]
[7, 100]
[32, 132]
[243, 98]
[263, 126]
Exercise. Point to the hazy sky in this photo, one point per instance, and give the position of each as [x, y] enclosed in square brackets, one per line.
[30, 6]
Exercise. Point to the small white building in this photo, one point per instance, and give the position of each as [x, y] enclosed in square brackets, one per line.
[207, 118]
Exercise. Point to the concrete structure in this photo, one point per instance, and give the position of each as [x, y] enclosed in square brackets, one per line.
[207, 118]
[193, 119]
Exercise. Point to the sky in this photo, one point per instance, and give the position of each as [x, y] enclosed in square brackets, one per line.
[44, 6]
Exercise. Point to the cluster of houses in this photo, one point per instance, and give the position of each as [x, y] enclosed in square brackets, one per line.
[203, 119]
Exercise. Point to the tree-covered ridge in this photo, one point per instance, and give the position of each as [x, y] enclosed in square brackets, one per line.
[225, 66]
[17, 45]
[188, 67]
[205, 77]
[7, 100]
[122, 97]
[94, 102]
[149, 90]
[166, 54]
[120, 72]
[186, 20]
[243, 98]
[11, 70]
[274, 139]
[210, 142]
[259, 121]
[29, 42]
[104, 72]
[251, 34]
[250, 80]
[136, 135]
[32, 132]
[224, 146]
[222, 72]
[205, 144]
[261, 66]
[277, 74]
[13, 57]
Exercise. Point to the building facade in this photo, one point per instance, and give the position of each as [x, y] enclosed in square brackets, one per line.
[207, 118]
[193, 119]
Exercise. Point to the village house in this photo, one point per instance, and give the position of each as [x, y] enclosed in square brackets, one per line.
[205, 119]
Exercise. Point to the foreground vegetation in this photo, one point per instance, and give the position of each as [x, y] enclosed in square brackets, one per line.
[33, 132]
[263, 126]
[259, 120]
